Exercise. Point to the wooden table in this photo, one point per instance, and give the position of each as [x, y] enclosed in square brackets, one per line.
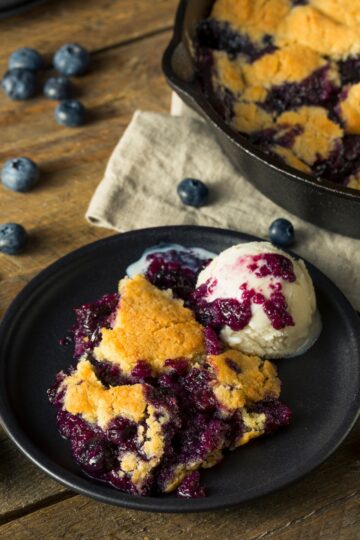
[126, 39]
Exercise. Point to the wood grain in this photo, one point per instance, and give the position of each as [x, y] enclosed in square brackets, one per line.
[95, 24]
[22, 485]
[72, 161]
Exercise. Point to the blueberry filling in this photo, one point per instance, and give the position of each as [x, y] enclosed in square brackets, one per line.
[277, 414]
[219, 36]
[175, 270]
[90, 318]
[317, 89]
[322, 88]
[350, 70]
[286, 137]
[196, 430]
[107, 373]
[190, 487]
[343, 162]
[212, 342]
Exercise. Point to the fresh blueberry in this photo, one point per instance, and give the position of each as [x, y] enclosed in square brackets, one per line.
[70, 113]
[193, 192]
[71, 59]
[281, 232]
[12, 238]
[19, 83]
[19, 174]
[58, 88]
[26, 58]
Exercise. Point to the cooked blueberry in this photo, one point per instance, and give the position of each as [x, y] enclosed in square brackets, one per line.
[190, 487]
[26, 58]
[96, 457]
[70, 113]
[281, 232]
[19, 174]
[193, 192]
[12, 238]
[213, 34]
[71, 59]
[58, 88]
[19, 84]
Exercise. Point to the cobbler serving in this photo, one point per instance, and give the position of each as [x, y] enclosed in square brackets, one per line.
[155, 394]
[286, 74]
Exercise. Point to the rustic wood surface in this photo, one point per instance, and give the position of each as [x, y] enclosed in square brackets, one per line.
[126, 38]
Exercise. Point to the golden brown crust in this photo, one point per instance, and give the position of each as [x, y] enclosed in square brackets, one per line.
[85, 395]
[350, 110]
[228, 72]
[311, 28]
[307, 38]
[354, 182]
[318, 136]
[241, 379]
[249, 117]
[150, 325]
[254, 426]
[291, 159]
[292, 63]
[257, 17]
[344, 11]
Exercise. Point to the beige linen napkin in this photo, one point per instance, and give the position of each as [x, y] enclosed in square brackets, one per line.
[157, 151]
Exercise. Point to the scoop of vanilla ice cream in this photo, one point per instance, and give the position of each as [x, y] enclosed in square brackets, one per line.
[274, 291]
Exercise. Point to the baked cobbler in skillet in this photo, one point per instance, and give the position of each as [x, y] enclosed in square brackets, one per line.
[286, 74]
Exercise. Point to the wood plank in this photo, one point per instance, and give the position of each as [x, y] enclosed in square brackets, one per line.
[323, 505]
[340, 521]
[73, 160]
[95, 24]
[22, 484]
[72, 163]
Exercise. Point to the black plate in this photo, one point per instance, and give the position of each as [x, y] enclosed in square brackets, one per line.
[322, 386]
[319, 201]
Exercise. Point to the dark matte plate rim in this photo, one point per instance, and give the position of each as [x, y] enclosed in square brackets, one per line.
[215, 119]
[95, 490]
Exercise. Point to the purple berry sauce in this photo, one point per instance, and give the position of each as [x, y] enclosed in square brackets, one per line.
[277, 414]
[90, 318]
[317, 89]
[272, 264]
[212, 342]
[175, 270]
[350, 70]
[190, 487]
[237, 314]
[342, 163]
[196, 429]
[219, 36]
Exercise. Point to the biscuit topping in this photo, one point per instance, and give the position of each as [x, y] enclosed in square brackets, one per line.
[150, 325]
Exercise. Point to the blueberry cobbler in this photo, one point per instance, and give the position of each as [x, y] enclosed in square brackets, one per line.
[286, 74]
[155, 393]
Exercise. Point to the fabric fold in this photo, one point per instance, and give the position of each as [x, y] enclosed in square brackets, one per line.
[157, 151]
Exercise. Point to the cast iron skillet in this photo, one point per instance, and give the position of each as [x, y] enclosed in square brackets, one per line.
[322, 387]
[319, 201]
[14, 7]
